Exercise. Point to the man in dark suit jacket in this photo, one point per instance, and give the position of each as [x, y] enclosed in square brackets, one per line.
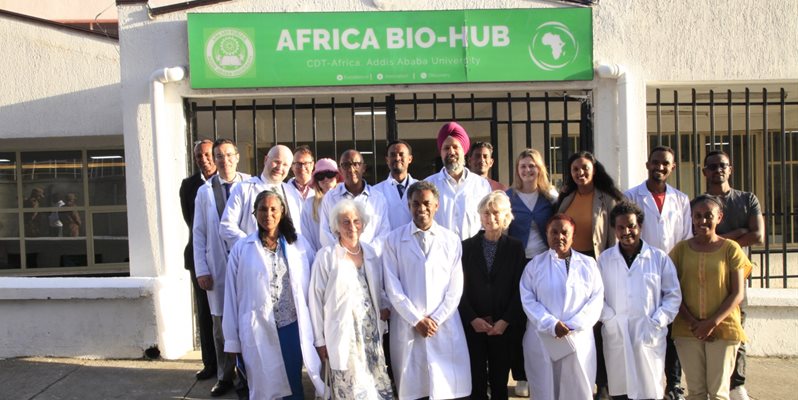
[203, 157]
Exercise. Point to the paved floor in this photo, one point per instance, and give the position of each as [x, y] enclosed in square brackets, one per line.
[77, 379]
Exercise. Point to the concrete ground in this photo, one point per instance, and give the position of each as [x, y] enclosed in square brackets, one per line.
[78, 379]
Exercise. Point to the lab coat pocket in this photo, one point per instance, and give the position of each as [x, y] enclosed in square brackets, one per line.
[653, 334]
[611, 333]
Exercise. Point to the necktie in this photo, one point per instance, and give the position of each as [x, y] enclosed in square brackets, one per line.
[401, 189]
[424, 242]
[226, 190]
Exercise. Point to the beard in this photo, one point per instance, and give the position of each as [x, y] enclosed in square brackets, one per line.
[454, 166]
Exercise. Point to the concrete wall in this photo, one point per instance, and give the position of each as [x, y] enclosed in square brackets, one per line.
[57, 82]
[772, 322]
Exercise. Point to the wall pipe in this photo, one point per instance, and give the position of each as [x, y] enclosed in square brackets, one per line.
[159, 79]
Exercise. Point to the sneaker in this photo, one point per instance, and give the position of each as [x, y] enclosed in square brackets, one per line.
[521, 389]
[674, 393]
[738, 393]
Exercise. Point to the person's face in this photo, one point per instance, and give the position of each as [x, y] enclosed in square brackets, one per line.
[717, 169]
[480, 161]
[582, 171]
[226, 158]
[660, 166]
[70, 199]
[423, 206]
[706, 217]
[528, 170]
[269, 213]
[277, 167]
[352, 168]
[492, 220]
[627, 231]
[560, 235]
[398, 158]
[302, 167]
[349, 226]
[203, 157]
[326, 180]
[452, 154]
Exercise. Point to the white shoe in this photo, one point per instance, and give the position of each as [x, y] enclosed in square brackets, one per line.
[521, 389]
[739, 393]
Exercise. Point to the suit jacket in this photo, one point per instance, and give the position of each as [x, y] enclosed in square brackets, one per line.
[188, 192]
[495, 293]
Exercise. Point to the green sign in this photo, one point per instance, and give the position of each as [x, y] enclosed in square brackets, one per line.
[370, 48]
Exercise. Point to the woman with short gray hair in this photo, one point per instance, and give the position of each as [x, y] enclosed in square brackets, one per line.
[347, 303]
[491, 306]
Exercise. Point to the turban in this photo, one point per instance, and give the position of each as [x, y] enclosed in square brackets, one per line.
[456, 131]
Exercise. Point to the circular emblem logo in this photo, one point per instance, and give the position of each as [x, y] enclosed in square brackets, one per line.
[553, 46]
[229, 53]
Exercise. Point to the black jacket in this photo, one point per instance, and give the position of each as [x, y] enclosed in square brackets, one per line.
[188, 192]
[493, 294]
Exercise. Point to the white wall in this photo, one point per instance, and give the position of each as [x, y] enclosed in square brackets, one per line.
[57, 82]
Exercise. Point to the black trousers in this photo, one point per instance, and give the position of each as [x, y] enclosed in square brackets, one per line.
[601, 369]
[673, 368]
[204, 324]
[490, 362]
[738, 374]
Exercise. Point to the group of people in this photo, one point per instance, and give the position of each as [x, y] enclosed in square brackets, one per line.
[440, 288]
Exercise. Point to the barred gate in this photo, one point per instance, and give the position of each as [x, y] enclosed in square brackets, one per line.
[758, 128]
[557, 124]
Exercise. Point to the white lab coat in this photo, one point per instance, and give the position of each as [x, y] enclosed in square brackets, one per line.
[373, 233]
[335, 292]
[296, 203]
[310, 228]
[399, 211]
[549, 295]
[639, 303]
[419, 286]
[238, 220]
[249, 325]
[457, 210]
[210, 251]
[674, 224]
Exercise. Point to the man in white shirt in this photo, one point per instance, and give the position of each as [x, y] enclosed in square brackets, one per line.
[238, 221]
[399, 156]
[354, 187]
[210, 252]
[424, 282]
[460, 189]
[668, 221]
[298, 188]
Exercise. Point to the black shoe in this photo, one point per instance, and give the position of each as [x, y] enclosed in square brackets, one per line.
[206, 373]
[674, 393]
[221, 387]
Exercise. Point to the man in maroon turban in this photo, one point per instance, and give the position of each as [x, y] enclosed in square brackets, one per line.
[460, 189]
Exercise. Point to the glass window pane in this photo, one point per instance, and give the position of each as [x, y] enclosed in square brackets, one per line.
[9, 253]
[9, 226]
[48, 176]
[110, 238]
[106, 177]
[8, 180]
[56, 252]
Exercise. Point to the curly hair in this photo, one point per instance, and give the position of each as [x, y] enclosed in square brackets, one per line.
[626, 207]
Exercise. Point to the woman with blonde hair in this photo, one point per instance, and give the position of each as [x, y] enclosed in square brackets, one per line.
[531, 199]
[490, 306]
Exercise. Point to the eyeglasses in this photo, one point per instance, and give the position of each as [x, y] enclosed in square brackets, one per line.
[350, 164]
[717, 166]
[225, 155]
[302, 164]
[320, 176]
